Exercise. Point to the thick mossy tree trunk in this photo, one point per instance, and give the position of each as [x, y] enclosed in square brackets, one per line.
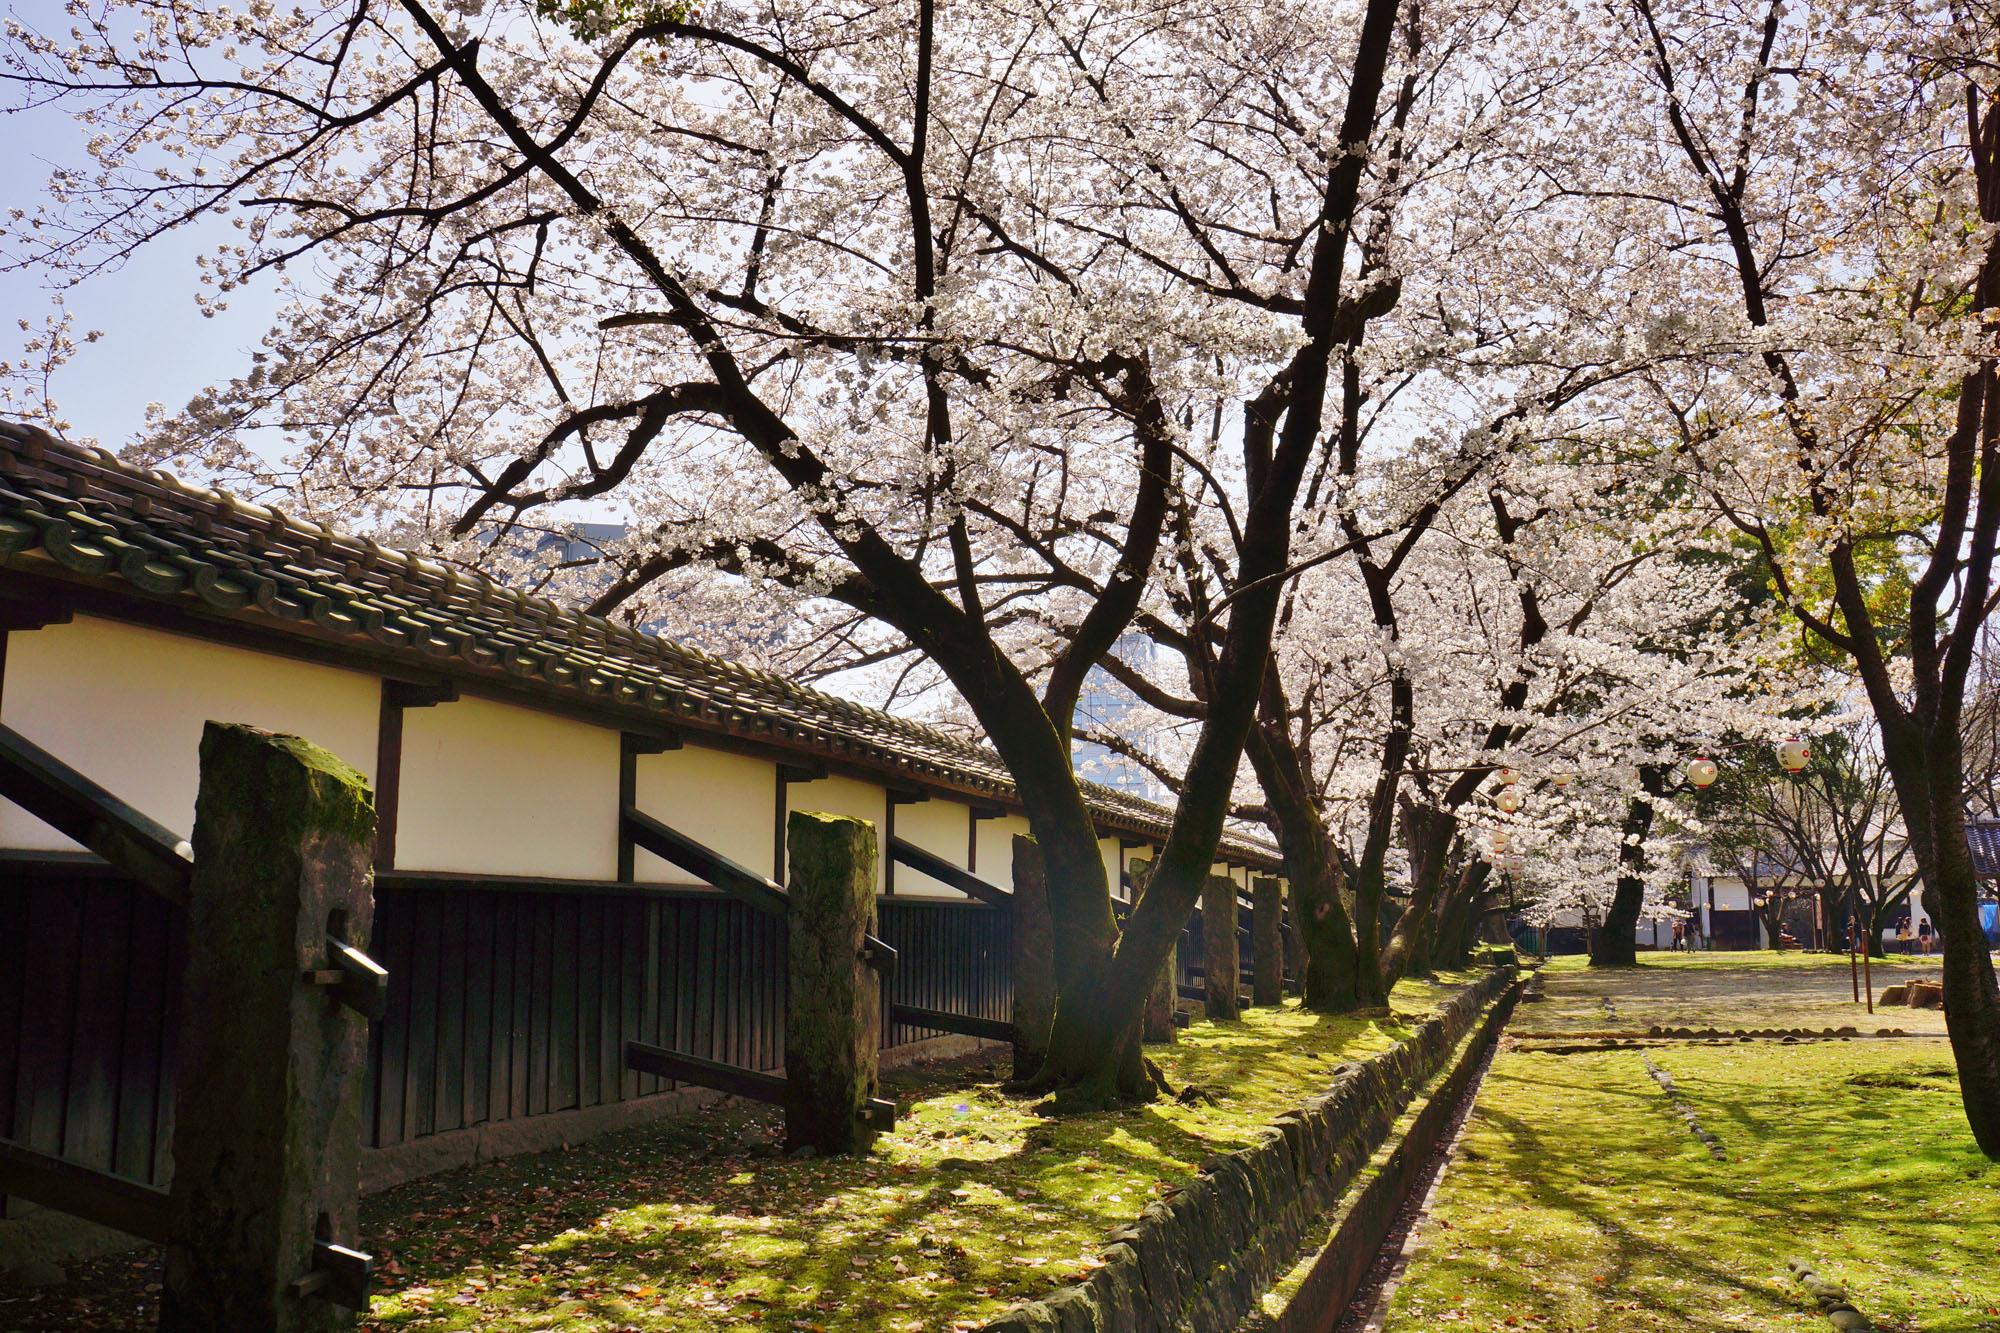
[1332, 981]
[1929, 782]
[1429, 832]
[1033, 959]
[1267, 964]
[1459, 916]
[1616, 945]
[1163, 1000]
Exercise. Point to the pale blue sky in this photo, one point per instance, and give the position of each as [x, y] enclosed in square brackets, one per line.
[155, 346]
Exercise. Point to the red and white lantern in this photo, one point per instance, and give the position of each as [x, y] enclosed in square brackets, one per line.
[1702, 771]
[1793, 754]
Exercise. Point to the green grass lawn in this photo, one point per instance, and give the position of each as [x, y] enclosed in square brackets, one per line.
[1752, 990]
[1578, 1200]
[973, 1203]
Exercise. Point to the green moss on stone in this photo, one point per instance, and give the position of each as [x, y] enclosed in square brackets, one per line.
[334, 798]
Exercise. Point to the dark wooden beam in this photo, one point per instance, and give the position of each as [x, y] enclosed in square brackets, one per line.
[398, 695]
[95, 1196]
[750, 1084]
[993, 1029]
[704, 862]
[73, 805]
[632, 744]
[929, 863]
[27, 610]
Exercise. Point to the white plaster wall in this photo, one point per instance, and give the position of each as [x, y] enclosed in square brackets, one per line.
[1113, 863]
[493, 789]
[939, 827]
[125, 706]
[843, 796]
[725, 801]
[1731, 894]
[996, 849]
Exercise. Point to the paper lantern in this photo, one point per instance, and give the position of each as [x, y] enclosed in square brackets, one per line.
[1702, 771]
[1562, 779]
[1508, 800]
[1792, 754]
[1508, 777]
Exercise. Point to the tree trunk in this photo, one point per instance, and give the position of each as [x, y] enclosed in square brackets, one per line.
[1929, 785]
[1333, 976]
[1616, 944]
[1164, 998]
[1429, 832]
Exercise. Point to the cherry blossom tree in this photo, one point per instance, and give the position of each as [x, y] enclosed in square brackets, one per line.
[904, 308]
[1811, 193]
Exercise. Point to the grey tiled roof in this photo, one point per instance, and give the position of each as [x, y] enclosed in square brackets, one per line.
[85, 517]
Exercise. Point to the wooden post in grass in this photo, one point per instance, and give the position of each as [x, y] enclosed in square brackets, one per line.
[833, 1003]
[1221, 962]
[1034, 959]
[273, 1040]
[1267, 943]
[1161, 1001]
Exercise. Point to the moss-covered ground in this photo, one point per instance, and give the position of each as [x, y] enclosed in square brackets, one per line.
[700, 1223]
[1578, 1200]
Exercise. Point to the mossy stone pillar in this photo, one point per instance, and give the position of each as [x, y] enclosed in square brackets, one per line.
[1162, 1000]
[1267, 943]
[1034, 959]
[267, 1121]
[1221, 960]
[833, 1003]
[1296, 958]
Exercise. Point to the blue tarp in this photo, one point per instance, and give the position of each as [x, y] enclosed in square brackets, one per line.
[1989, 920]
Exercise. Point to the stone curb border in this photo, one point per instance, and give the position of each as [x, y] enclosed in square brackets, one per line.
[1366, 1218]
[1686, 1112]
[1832, 1299]
[1197, 1258]
[1656, 1032]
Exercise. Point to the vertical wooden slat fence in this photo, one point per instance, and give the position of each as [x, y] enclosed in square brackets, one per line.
[506, 999]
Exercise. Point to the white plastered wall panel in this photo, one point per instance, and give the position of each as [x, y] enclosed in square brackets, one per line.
[725, 801]
[125, 706]
[939, 827]
[996, 848]
[839, 795]
[1107, 848]
[488, 788]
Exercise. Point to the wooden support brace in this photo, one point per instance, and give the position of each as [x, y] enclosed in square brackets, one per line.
[880, 957]
[338, 1275]
[749, 1084]
[95, 1196]
[707, 864]
[73, 805]
[993, 1029]
[928, 863]
[356, 980]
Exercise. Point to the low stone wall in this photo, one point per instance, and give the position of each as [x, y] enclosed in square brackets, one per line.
[1198, 1258]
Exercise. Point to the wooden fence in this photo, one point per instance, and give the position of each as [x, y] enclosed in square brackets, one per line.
[506, 999]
